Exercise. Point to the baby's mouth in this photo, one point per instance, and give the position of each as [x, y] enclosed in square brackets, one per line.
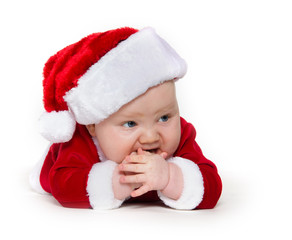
[153, 150]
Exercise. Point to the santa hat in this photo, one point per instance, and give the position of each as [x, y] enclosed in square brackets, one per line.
[89, 80]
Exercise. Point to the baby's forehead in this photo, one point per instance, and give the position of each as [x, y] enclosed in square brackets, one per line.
[158, 99]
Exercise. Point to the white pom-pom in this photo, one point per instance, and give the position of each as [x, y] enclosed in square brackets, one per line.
[57, 126]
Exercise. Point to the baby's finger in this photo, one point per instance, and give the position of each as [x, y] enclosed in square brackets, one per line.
[137, 178]
[140, 191]
[135, 168]
[126, 159]
[140, 151]
[136, 159]
[163, 154]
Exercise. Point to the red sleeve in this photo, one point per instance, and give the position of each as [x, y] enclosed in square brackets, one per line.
[189, 149]
[66, 169]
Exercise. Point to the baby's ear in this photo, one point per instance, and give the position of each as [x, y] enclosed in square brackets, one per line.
[91, 129]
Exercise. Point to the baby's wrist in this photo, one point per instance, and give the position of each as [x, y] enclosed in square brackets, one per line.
[174, 186]
[121, 191]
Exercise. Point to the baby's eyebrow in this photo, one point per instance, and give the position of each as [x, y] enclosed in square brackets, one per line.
[169, 108]
[130, 115]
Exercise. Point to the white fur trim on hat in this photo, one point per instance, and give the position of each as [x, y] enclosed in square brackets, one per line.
[57, 126]
[138, 63]
[99, 186]
[193, 190]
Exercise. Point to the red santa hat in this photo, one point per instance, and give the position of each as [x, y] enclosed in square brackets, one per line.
[89, 80]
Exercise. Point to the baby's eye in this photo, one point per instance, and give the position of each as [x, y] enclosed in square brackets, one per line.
[164, 118]
[130, 124]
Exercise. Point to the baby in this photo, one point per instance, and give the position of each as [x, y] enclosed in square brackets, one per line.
[147, 128]
[115, 129]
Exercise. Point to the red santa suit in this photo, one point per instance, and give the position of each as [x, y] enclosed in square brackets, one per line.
[85, 83]
[78, 175]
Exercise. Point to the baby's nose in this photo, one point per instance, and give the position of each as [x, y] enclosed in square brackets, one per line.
[149, 136]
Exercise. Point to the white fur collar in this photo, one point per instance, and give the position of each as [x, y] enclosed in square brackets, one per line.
[101, 155]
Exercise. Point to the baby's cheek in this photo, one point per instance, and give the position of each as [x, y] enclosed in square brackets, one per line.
[118, 156]
[116, 159]
[172, 146]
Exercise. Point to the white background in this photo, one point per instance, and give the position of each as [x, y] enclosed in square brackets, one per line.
[237, 93]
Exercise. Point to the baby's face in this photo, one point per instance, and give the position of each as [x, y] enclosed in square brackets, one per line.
[150, 122]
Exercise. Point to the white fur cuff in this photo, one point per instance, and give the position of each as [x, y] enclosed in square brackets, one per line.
[99, 186]
[193, 189]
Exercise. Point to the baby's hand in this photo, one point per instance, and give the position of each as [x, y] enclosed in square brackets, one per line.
[150, 170]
